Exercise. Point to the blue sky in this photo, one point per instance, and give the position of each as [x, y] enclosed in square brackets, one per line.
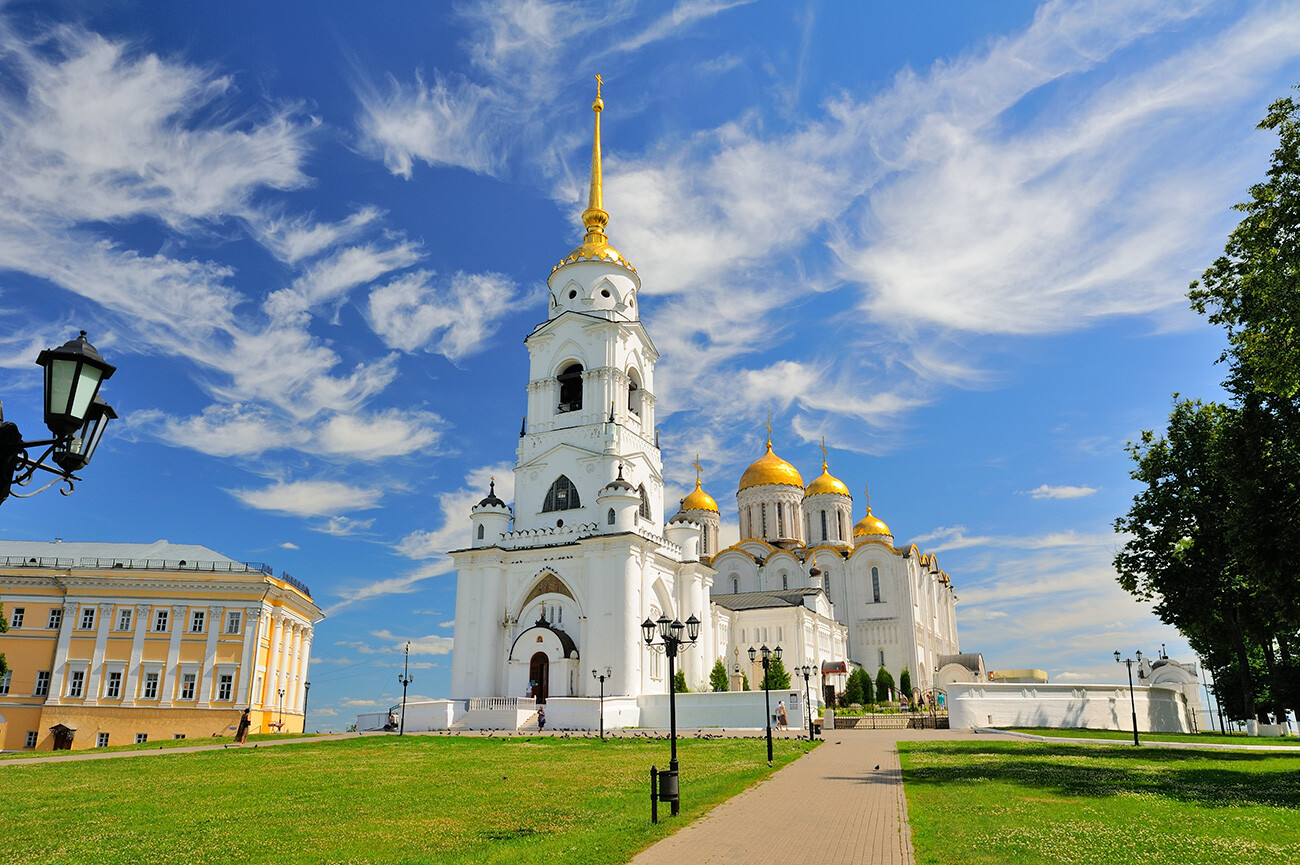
[953, 238]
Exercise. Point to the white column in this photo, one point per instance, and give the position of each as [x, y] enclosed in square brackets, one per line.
[304, 658]
[291, 667]
[137, 653]
[248, 667]
[169, 676]
[269, 685]
[105, 615]
[60, 671]
[209, 657]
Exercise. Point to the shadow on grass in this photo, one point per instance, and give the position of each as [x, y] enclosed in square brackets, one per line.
[1205, 779]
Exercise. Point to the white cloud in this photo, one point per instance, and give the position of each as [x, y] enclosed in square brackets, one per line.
[454, 318]
[1061, 492]
[289, 545]
[432, 644]
[310, 498]
[331, 278]
[343, 526]
[224, 430]
[384, 434]
[294, 238]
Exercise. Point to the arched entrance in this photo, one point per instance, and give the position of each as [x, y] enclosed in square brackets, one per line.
[538, 674]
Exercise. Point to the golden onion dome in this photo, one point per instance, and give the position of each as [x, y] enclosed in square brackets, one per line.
[770, 469]
[871, 526]
[826, 483]
[699, 500]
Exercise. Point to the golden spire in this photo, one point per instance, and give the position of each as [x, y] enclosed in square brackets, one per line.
[698, 469]
[824, 453]
[769, 429]
[594, 218]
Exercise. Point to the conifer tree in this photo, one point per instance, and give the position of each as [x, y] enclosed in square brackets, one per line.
[718, 676]
[679, 683]
[884, 683]
[776, 678]
[905, 684]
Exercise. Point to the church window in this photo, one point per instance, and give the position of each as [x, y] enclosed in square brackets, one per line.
[610, 517]
[780, 634]
[826, 583]
[780, 520]
[785, 581]
[763, 510]
[604, 292]
[704, 541]
[875, 585]
[480, 533]
[735, 586]
[882, 657]
[572, 294]
[634, 394]
[570, 380]
[843, 536]
[562, 496]
[644, 509]
[824, 526]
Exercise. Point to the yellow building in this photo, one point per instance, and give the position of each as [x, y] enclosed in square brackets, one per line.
[110, 644]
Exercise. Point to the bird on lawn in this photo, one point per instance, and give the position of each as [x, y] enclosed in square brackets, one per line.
[877, 767]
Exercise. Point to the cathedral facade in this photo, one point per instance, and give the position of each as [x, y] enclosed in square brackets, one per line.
[558, 582]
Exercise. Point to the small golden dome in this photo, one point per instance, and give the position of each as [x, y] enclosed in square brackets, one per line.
[699, 500]
[770, 469]
[871, 526]
[826, 483]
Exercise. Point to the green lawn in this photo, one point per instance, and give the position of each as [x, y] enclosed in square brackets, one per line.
[1203, 738]
[159, 744]
[1010, 803]
[385, 800]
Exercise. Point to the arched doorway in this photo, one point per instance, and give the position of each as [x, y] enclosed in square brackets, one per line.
[538, 674]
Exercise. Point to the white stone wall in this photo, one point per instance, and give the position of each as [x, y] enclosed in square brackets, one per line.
[1160, 709]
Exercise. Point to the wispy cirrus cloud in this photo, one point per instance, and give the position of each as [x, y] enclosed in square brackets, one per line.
[310, 498]
[1047, 491]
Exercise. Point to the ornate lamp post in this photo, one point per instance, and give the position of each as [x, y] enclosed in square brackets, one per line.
[306, 692]
[280, 726]
[806, 672]
[768, 655]
[601, 677]
[406, 679]
[1129, 662]
[670, 643]
[74, 413]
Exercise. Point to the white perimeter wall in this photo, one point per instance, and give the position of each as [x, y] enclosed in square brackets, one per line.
[721, 709]
[1160, 708]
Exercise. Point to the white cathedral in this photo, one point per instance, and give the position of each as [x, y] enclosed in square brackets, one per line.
[558, 583]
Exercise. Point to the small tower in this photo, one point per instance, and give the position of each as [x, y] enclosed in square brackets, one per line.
[490, 519]
[699, 507]
[769, 500]
[619, 501]
[828, 509]
[871, 527]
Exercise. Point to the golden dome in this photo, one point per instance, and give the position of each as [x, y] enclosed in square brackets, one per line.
[699, 500]
[770, 469]
[871, 526]
[826, 483]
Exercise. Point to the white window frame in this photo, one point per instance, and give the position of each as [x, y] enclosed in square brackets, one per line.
[4, 682]
[161, 620]
[30, 741]
[141, 738]
[234, 621]
[191, 681]
[16, 619]
[146, 680]
[101, 740]
[42, 686]
[55, 621]
[113, 685]
[87, 620]
[178, 735]
[76, 683]
[225, 687]
[198, 619]
[125, 618]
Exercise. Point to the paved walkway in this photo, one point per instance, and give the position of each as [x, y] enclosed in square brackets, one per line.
[832, 805]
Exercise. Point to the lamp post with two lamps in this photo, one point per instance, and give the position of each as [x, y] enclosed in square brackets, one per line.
[768, 655]
[806, 672]
[1132, 701]
[406, 679]
[601, 677]
[74, 414]
[670, 643]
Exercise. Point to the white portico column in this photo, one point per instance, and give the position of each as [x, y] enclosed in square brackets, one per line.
[105, 614]
[137, 653]
[209, 657]
[304, 654]
[248, 668]
[170, 674]
[291, 669]
[269, 686]
[60, 671]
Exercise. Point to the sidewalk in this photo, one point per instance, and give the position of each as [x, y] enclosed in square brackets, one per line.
[832, 805]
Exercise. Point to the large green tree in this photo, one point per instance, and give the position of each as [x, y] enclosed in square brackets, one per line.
[776, 678]
[884, 684]
[718, 676]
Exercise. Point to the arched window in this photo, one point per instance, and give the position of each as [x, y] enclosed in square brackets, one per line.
[844, 536]
[763, 510]
[704, 541]
[611, 516]
[633, 394]
[824, 525]
[735, 590]
[826, 583]
[875, 585]
[480, 533]
[562, 496]
[780, 520]
[882, 657]
[570, 379]
[644, 509]
[785, 582]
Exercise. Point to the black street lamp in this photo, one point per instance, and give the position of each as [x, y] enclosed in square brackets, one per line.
[281, 724]
[1129, 662]
[74, 413]
[601, 677]
[670, 643]
[406, 679]
[306, 692]
[768, 654]
[807, 697]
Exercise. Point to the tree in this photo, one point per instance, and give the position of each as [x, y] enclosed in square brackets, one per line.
[744, 681]
[884, 684]
[905, 683]
[718, 676]
[776, 678]
[853, 689]
[679, 683]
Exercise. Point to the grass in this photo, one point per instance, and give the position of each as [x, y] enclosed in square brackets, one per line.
[1012, 803]
[1201, 738]
[160, 744]
[389, 800]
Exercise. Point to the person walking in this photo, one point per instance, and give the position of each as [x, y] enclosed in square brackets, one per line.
[782, 721]
[541, 718]
[241, 734]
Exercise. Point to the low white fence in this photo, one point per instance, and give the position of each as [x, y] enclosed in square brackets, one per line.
[1160, 708]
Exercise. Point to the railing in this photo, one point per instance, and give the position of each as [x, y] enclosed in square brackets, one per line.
[509, 704]
[296, 583]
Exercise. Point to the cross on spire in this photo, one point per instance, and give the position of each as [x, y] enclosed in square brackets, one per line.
[769, 428]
